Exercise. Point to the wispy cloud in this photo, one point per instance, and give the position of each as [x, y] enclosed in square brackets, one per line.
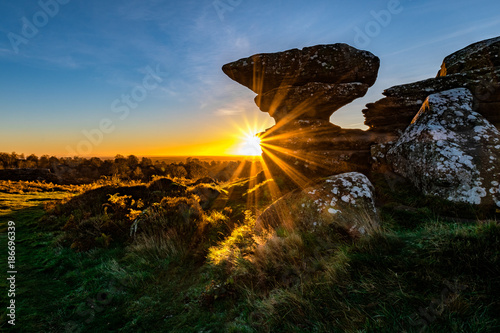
[228, 112]
[233, 106]
[473, 28]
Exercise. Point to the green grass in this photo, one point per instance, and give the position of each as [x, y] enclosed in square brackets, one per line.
[234, 280]
[12, 202]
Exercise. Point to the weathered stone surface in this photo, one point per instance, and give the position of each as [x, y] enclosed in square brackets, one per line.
[480, 55]
[334, 63]
[343, 202]
[313, 148]
[450, 151]
[311, 83]
[391, 114]
[475, 67]
[313, 100]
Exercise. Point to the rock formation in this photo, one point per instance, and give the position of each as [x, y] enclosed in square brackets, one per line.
[301, 89]
[476, 67]
[344, 203]
[311, 83]
[449, 151]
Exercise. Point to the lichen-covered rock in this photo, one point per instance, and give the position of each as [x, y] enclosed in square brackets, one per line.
[450, 151]
[378, 154]
[476, 67]
[343, 202]
[333, 63]
[311, 83]
[480, 55]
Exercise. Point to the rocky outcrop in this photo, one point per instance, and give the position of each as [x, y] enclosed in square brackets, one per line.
[301, 89]
[344, 203]
[477, 56]
[311, 83]
[476, 67]
[306, 148]
[449, 151]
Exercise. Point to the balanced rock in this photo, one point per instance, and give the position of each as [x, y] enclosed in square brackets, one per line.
[450, 151]
[344, 202]
[476, 67]
[301, 89]
[311, 83]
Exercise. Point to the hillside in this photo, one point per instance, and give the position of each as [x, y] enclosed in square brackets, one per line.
[209, 270]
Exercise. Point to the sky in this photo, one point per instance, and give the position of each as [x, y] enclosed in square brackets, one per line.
[100, 78]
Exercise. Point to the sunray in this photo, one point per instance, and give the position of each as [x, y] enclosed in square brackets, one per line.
[310, 158]
[273, 187]
[297, 177]
[252, 196]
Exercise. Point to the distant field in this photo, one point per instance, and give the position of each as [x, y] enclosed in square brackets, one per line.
[177, 159]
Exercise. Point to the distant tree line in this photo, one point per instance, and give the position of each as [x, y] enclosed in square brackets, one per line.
[86, 170]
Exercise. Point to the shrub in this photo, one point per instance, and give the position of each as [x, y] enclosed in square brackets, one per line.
[179, 226]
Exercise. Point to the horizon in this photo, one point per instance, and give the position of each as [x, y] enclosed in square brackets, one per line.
[108, 157]
[134, 78]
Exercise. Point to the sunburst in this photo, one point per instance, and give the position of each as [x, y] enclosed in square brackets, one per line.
[250, 145]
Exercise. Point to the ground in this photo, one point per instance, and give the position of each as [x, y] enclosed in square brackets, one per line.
[432, 267]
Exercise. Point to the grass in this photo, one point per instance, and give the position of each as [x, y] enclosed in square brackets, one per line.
[13, 202]
[193, 270]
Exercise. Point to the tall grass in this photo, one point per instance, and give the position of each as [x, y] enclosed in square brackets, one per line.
[192, 269]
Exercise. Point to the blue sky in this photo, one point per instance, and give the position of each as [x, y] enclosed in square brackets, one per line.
[62, 84]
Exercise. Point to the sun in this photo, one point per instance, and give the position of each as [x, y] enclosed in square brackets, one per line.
[250, 145]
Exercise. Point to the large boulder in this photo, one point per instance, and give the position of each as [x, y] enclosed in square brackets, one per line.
[311, 83]
[333, 63]
[476, 67]
[342, 202]
[450, 151]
